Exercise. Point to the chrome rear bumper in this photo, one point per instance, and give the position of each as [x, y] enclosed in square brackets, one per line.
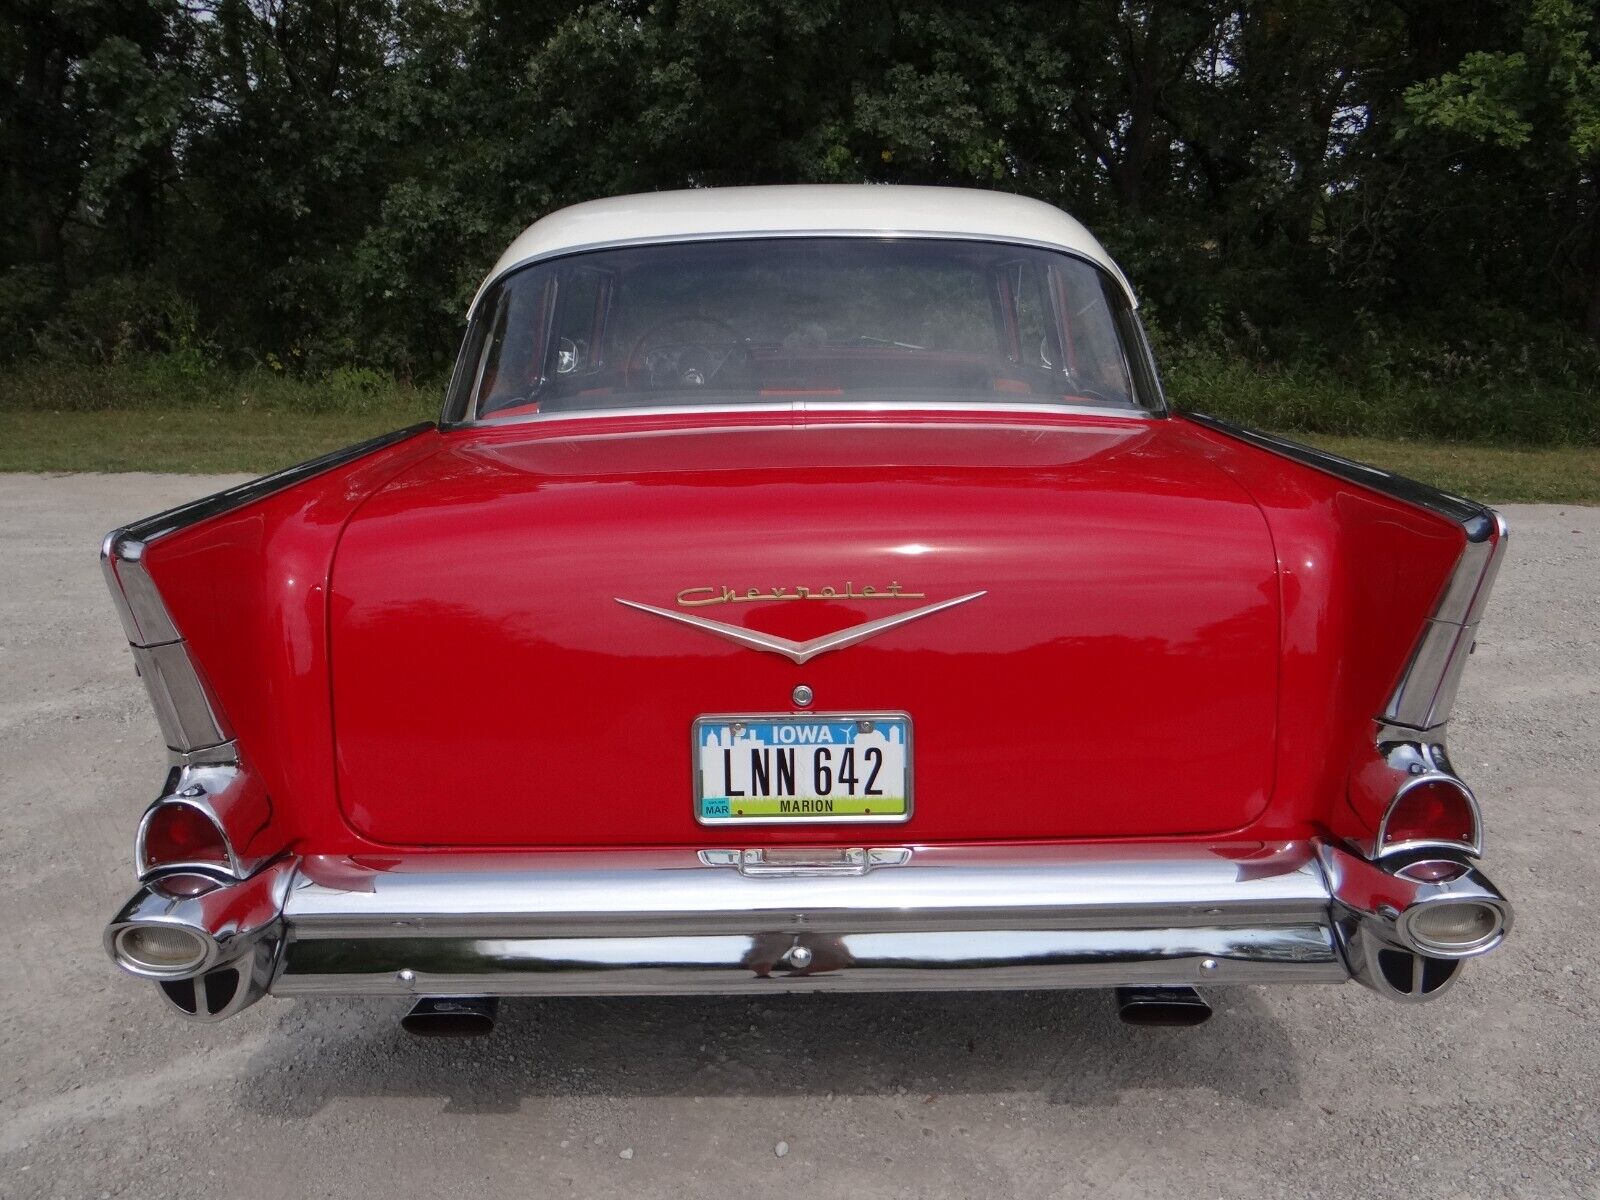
[674, 921]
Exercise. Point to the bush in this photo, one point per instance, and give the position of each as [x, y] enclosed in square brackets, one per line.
[1507, 379]
[354, 390]
[27, 296]
[120, 318]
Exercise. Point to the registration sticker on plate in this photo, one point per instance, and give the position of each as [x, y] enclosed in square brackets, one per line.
[800, 768]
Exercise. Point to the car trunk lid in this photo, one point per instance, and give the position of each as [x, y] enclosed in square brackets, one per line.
[1116, 676]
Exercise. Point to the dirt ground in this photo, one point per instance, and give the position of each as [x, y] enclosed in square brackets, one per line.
[1492, 1091]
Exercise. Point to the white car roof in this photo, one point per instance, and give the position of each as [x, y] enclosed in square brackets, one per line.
[851, 209]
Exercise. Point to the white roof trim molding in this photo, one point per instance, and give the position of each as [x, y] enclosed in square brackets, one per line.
[821, 210]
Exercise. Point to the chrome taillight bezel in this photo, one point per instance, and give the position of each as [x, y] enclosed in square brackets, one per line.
[1384, 849]
[228, 868]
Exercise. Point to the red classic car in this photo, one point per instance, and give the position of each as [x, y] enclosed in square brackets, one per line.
[806, 589]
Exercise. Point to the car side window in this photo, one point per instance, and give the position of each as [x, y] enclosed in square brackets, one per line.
[1027, 289]
[512, 363]
[1096, 367]
[582, 301]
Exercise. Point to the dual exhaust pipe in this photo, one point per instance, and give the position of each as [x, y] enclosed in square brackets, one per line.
[474, 1016]
[451, 1016]
[1162, 1006]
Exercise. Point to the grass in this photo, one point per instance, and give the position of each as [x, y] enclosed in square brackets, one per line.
[183, 440]
[1492, 474]
[165, 414]
[159, 415]
[210, 441]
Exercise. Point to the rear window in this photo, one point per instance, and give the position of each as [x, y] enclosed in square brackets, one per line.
[768, 321]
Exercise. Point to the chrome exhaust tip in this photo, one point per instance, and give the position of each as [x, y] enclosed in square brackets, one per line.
[451, 1016]
[211, 950]
[1170, 1006]
[157, 949]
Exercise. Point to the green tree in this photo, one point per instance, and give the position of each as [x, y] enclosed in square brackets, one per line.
[1534, 113]
[323, 181]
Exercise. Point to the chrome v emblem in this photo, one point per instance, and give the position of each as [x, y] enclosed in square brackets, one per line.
[801, 651]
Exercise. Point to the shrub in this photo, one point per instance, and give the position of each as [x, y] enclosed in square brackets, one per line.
[27, 295]
[1504, 378]
[120, 318]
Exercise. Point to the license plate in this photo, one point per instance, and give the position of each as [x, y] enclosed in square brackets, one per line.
[792, 769]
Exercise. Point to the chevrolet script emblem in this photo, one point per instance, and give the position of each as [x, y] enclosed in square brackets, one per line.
[800, 652]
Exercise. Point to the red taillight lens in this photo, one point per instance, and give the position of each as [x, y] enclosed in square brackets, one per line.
[183, 887]
[180, 833]
[1433, 871]
[1431, 810]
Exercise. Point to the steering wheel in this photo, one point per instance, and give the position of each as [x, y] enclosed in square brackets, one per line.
[1088, 393]
[683, 361]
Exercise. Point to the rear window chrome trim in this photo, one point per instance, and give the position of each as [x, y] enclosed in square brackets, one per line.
[803, 406]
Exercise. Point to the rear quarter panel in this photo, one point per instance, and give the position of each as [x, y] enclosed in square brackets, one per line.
[1359, 573]
[248, 591]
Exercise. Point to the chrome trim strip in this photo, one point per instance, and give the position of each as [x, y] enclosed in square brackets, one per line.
[1426, 693]
[225, 755]
[630, 893]
[778, 860]
[188, 715]
[1467, 593]
[809, 407]
[1429, 682]
[853, 962]
[1474, 518]
[143, 614]
[800, 652]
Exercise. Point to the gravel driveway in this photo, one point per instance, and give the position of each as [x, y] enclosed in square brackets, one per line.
[1492, 1091]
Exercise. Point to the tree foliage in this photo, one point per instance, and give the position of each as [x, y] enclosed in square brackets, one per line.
[1380, 185]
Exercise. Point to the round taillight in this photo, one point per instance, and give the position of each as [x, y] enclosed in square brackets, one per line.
[181, 833]
[1431, 809]
[160, 949]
